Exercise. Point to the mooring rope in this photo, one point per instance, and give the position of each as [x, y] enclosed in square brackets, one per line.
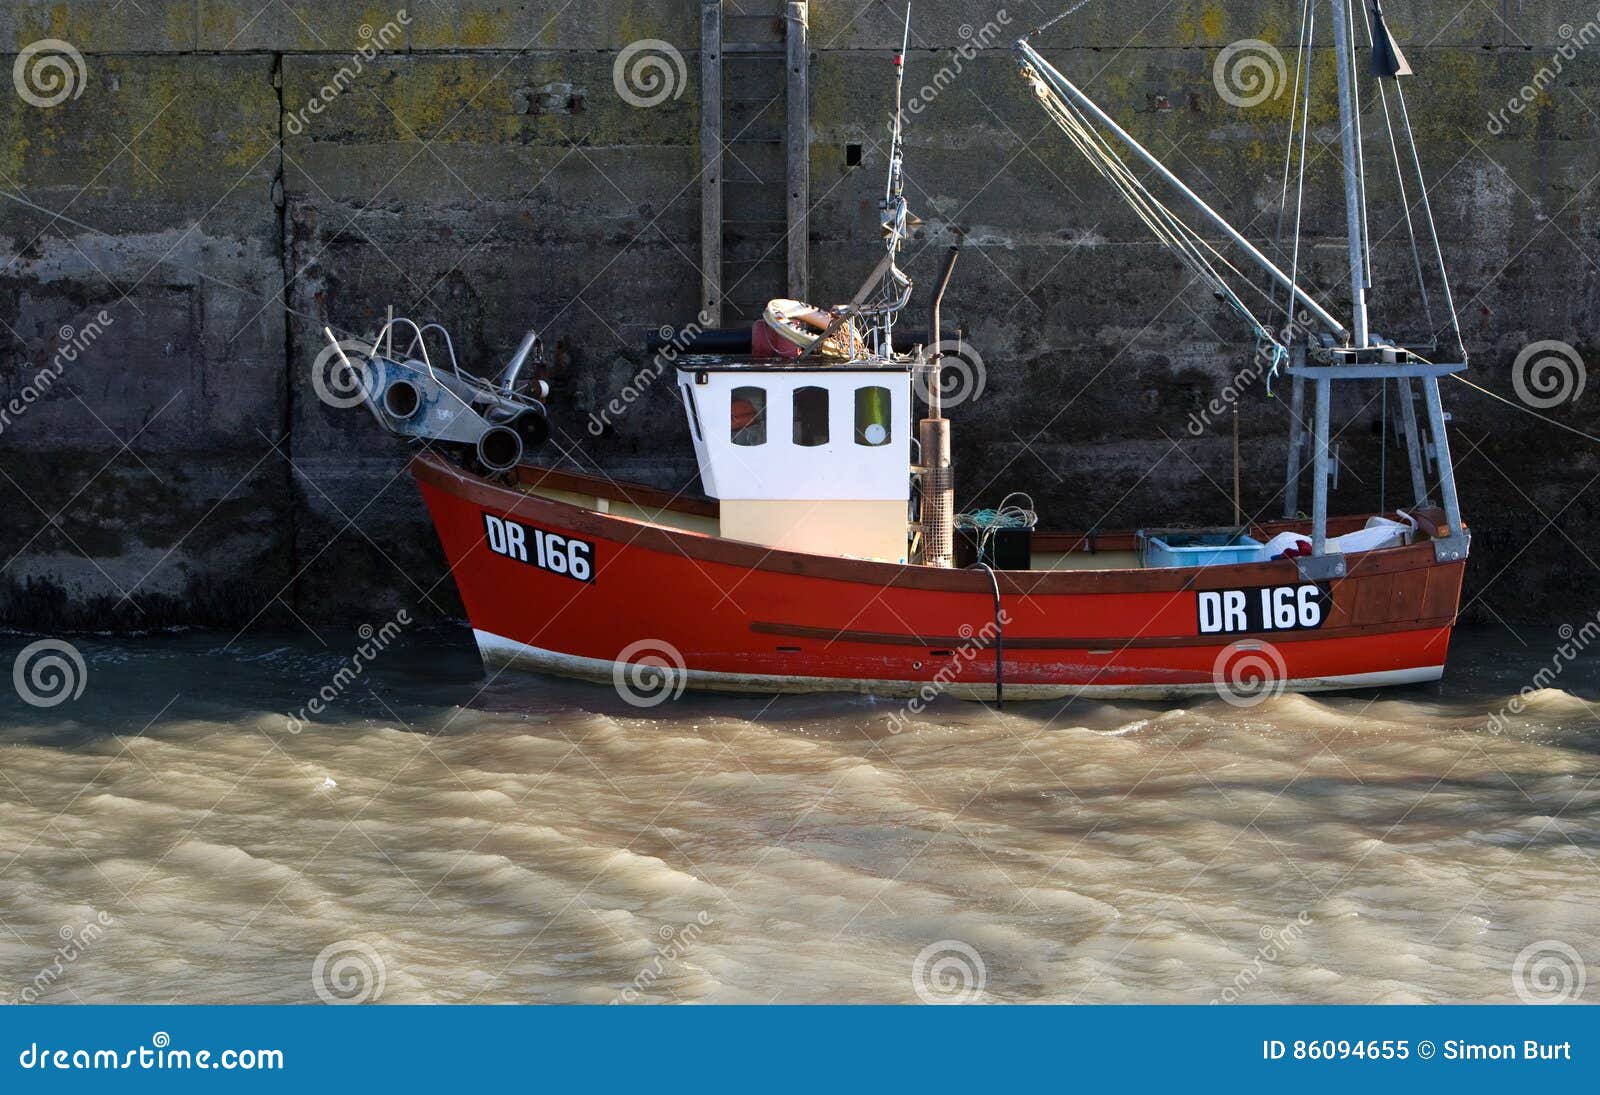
[1042, 27]
[1526, 410]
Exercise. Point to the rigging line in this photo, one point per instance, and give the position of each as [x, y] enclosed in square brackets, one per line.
[1050, 83]
[1300, 195]
[1361, 155]
[1525, 410]
[1168, 228]
[1165, 225]
[1400, 180]
[1433, 227]
[1162, 222]
[1137, 187]
[1042, 27]
[1059, 100]
[1288, 145]
[1195, 240]
[1186, 243]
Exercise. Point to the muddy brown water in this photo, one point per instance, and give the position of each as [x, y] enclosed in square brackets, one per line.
[435, 835]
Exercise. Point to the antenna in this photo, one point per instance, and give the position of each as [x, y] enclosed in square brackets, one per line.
[894, 217]
[896, 184]
[894, 287]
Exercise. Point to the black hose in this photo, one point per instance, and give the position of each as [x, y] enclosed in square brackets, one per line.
[999, 641]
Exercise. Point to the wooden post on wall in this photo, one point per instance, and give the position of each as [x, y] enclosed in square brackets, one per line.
[711, 161]
[799, 148]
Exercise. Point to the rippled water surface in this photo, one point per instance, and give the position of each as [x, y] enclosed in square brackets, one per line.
[436, 836]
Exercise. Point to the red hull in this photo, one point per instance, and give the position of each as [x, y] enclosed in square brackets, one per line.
[740, 616]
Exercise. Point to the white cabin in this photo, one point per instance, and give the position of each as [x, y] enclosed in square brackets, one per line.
[807, 457]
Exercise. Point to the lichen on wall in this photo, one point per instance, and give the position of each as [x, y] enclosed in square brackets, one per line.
[478, 165]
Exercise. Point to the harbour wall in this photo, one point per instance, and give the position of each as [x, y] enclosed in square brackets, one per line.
[225, 177]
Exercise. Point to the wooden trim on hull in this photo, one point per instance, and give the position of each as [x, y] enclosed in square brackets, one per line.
[499, 651]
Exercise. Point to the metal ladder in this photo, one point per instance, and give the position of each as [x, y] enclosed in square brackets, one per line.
[755, 129]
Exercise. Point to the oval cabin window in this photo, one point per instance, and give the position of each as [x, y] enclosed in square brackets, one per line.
[811, 416]
[748, 417]
[872, 416]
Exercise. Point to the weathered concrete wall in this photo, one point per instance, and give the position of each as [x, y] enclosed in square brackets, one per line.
[483, 171]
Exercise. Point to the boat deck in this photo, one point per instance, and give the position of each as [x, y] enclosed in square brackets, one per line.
[1052, 550]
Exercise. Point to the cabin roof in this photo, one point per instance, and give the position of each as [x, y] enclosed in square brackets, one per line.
[711, 363]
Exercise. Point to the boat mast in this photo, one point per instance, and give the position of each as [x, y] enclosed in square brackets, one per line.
[891, 284]
[896, 286]
[1354, 184]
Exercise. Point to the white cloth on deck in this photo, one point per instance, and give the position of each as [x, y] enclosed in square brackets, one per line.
[1282, 543]
[1379, 533]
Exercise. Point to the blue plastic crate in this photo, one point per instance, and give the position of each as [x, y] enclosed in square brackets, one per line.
[1198, 548]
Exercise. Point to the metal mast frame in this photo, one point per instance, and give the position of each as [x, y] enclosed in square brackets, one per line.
[1345, 353]
[1361, 360]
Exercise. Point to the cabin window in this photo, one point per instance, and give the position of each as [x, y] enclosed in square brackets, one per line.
[748, 418]
[811, 416]
[872, 416]
[694, 412]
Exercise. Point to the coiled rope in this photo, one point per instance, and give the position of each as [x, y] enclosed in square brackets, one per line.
[1005, 515]
[988, 522]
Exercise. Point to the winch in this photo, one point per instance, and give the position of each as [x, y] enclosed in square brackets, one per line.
[496, 421]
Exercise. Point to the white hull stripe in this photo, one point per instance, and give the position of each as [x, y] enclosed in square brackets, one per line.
[501, 651]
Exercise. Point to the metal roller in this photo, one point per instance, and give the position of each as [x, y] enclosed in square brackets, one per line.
[499, 448]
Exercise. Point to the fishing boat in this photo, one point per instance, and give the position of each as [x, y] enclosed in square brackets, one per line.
[823, 551]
